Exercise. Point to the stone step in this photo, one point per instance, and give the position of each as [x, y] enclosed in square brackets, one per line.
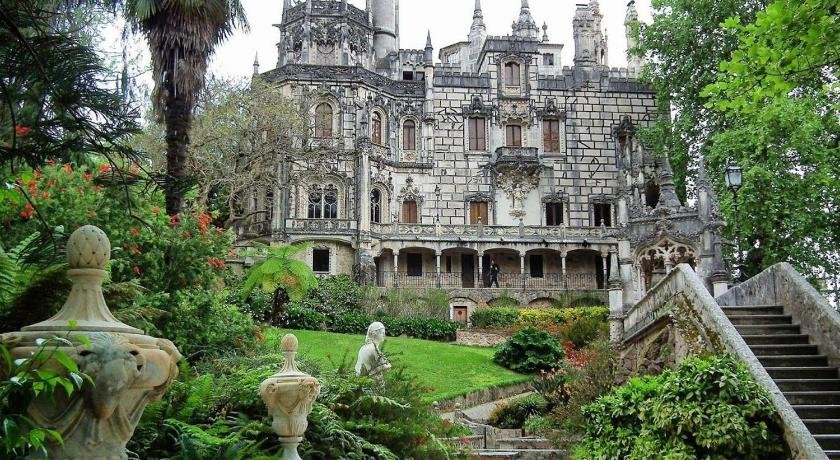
[756, 320]
[784, 349]
[817, 411]
[821, 372]
[793, 361]
[808, 384]
[822, 425]
[776, 339]
[828, 441]
[768, 329]
[813, 397]
[524, 443]
[754, 310]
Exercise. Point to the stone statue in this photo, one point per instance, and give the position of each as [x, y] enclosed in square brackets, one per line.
[128, 369]
[371, 360]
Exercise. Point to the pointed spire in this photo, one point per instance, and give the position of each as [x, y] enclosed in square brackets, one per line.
[478, 20]
[428, 55]
[287, 5]
[429, 38]
[545, 32]
[525, 27]
[256, 63]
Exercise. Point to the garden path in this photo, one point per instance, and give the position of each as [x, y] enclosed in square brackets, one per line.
[481, 413]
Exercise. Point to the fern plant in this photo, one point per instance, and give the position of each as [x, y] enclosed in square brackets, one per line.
[278, 271]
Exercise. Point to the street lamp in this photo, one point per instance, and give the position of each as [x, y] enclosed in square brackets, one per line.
[437, 202]
[734, 180]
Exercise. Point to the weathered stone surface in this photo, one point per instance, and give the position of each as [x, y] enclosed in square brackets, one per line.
[478, 338]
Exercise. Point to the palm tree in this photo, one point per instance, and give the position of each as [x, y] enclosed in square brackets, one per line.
[182, 35]
[279, 272]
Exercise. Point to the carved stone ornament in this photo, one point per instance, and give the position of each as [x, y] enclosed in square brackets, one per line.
[517, 182]
[128, 369]
[289, 395]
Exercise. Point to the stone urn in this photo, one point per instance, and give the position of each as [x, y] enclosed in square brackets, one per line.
[128, 369]
[289, 395]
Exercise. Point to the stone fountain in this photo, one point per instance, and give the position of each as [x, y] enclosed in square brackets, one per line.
[128, 369]
[289, 395]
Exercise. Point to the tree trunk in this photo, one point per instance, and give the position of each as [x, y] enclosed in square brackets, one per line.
[178, 118]
[280, 299]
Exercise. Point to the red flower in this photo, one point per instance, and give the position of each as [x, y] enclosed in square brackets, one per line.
[45, 195]
[51, 162]
[203, 221]
[173, 220]
[22, 131]
[259, 334]
[135, 168]
[50, 183]
[104, 168]
[232, 253]
[135, 231]
[68, 168]
[37, 173]
[136, 270]
[135, 249]
[216, 262]
[28, 211]
[87, 177]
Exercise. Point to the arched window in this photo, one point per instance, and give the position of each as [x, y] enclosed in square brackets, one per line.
[323, 121]
[376, 206]
[409, 135]
[512, 74]
[323, 202]
[376, 129]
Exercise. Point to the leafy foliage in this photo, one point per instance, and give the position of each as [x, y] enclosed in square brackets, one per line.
[706, 408]
[46, 373]
[515, 412]
[529, 351]
[276, 268]
[494, 317]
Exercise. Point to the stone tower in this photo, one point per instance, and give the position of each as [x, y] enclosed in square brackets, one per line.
[384, 15]
[590, 42]
[634, 63]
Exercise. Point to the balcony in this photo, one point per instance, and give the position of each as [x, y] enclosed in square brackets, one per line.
[394, 231]
[516, 156]
[548, 282]
[317, 226]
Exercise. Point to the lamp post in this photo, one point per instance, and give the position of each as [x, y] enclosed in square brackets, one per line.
[734, 180]
[437, 202]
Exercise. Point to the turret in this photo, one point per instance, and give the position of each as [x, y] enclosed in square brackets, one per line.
[384, 15]
[429, 51]
[256, 64]
[631, 21]
[525, 27]
[590, 44]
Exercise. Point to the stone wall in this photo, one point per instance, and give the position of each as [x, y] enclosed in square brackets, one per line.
[478, 338]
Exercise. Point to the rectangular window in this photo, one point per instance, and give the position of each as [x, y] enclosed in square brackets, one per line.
[409, 212]
[321, 260]
[408, 75]
[513, 134]
[414, 264]
[551, 135]
[536, 264]
[548, 59]
[478, 212]
[478, 134]
[554, 214]
[512, 74]
[602, 214]
[420, 76]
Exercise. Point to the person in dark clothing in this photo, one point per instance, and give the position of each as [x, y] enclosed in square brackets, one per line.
[494, 273]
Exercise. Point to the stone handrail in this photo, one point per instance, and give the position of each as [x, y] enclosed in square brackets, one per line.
[331, 226]
[490, 231]
[683, 296]
[782, 285]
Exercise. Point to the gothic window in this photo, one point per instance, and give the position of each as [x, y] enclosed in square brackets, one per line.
[513, 135]
[548, 59]
[409, 135]
[651, 194]
[323, 121]
[512, 74]
[409, 212]
[376, 129]
[321, 260]
[376, 206]
[551, 135]
[478, 133]
[323, 202]
[602, 214]
[478, 212]
[554, 214]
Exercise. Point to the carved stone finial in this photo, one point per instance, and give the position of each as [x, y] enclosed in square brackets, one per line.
[127, 370]
[289, 396]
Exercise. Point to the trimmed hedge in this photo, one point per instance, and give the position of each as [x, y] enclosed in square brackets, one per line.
[357, 323]
[494, 317]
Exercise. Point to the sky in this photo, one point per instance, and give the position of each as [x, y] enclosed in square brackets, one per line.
[448, 21]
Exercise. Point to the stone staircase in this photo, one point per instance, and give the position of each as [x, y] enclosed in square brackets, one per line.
[802, 373]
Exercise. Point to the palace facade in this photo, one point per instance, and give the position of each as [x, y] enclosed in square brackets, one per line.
[427, 170]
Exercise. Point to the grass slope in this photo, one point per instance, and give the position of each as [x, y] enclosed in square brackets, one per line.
[447, 370]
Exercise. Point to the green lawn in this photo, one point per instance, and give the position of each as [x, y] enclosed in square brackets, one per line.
[447, 370]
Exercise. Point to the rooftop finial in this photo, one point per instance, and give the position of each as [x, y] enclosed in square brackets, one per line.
[525, 27]
[428, 39]
[256, 63]
[478, 19]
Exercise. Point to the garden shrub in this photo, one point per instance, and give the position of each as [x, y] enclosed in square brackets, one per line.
[335, 295]
[585, 301]
[516, 411]
[529, 351]
[420, 328]
[504, 301]
[494, 317]
[201, 322]
[407, 303]
[297, 316]
[706, 408]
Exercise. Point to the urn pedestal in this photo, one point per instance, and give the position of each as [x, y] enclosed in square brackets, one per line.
[128, 369]
[289, 395]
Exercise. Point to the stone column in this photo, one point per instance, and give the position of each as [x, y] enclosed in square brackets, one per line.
[626, 272]
[396, 268]
[480, 281]
[616, 317]
[128, 369]
[606, 258]
[437, 264]
[563, 270]
[522, 268]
